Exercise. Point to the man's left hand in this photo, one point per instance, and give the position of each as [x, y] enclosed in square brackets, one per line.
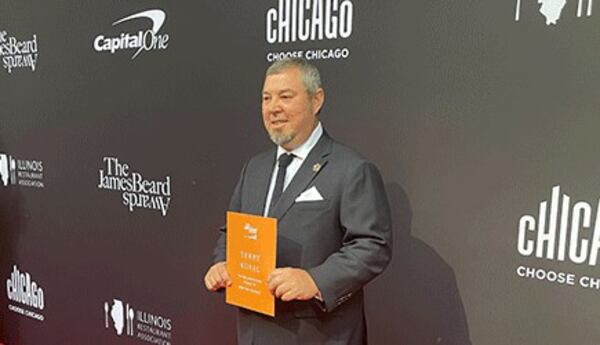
[292, 284]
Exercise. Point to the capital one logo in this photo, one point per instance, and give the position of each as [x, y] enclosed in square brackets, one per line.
[552, 9]
[121, 317]
[147, 40]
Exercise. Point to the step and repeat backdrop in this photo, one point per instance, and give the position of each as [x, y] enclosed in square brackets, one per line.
[124, 126]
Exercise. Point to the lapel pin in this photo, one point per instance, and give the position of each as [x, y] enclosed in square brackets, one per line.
[316, 167]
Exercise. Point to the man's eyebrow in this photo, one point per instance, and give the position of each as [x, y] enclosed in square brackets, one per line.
[279, 92]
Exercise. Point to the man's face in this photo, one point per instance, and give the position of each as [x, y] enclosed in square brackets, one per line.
[289, 113]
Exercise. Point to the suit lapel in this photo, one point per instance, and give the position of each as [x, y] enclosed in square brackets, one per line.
[260, 181]
[307, 172]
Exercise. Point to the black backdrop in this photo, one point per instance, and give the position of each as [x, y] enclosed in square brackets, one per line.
[472, 116]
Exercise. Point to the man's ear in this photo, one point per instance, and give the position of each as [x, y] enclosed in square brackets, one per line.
[318, 100]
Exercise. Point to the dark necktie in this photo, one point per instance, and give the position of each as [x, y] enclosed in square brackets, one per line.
[283, 162]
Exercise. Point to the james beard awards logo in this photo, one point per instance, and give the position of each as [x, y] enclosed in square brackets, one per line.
[17, 53]
[552, 9]
[143, 40]
[145, 326]
[137, 192]
[315, 21]
[26, 295]
[563, 231]
[21, 172]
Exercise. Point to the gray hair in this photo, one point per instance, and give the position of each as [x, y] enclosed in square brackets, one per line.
[308, 72]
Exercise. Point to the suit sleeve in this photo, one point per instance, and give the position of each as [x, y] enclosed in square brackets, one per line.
[367, 238]
[220, 252]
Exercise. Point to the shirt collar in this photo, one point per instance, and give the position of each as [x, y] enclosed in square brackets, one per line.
[303, 150]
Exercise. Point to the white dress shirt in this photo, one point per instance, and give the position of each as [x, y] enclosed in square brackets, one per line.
[300, 153]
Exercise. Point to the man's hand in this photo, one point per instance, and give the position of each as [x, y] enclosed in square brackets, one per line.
[217, 277]
[292, 284]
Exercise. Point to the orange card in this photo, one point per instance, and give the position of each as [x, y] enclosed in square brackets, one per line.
[251, 256]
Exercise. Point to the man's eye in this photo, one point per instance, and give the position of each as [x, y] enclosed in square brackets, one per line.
[286, 96]
[266, 98]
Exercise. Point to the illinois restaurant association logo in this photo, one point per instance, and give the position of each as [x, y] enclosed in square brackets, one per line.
[126, 321]
[146, 39]
[21, 172]
[565, 232]
[552, 10]
[136, 191]
[26, 296]
[18, 53]
[323, 23]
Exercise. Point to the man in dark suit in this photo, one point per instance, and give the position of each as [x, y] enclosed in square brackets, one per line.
[334, 226]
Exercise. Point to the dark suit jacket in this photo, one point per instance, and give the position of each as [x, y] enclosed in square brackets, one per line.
[343, 241]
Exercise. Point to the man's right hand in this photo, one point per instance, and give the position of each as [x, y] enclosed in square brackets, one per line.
[217, 277]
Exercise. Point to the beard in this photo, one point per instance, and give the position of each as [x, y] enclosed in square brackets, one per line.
[280, 139]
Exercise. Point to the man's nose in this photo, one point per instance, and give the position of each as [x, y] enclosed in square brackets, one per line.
[274, 106]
